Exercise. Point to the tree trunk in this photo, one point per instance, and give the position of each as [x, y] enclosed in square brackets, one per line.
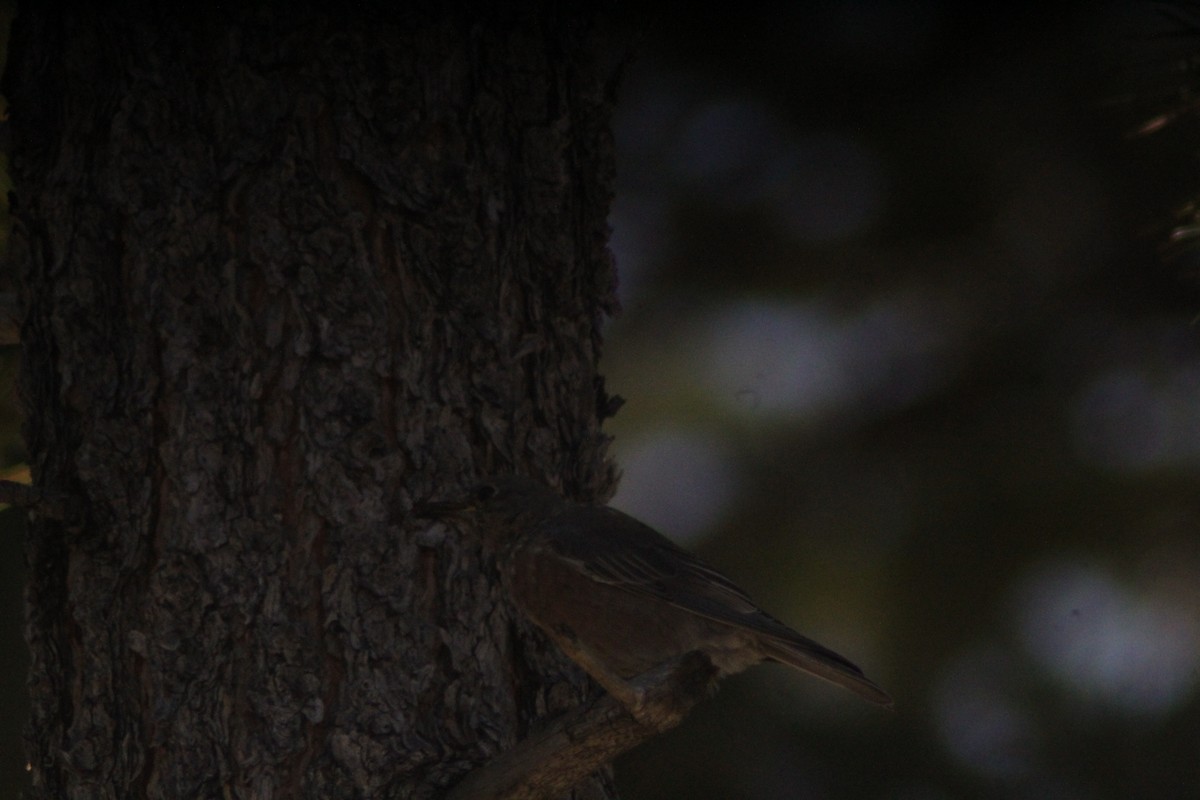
[283, 274]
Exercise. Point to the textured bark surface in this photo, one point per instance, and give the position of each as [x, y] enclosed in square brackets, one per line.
[283, 273]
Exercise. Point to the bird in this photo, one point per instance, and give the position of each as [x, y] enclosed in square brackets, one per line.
[620, 599]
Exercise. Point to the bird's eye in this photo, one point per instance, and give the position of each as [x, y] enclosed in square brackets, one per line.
[485, 492]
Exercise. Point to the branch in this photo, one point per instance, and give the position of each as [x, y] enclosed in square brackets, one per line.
[48, 503]
[548, 764]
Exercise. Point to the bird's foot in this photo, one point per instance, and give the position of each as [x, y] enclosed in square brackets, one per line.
[661, 697]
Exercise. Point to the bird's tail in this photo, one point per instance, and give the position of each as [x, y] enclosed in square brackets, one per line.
[806, 655]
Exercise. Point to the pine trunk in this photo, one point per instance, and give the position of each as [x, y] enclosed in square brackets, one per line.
[284, 274]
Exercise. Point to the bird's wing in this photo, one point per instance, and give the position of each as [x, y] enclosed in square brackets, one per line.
[616, 549]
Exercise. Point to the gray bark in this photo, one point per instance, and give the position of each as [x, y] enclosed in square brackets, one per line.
[282, 274]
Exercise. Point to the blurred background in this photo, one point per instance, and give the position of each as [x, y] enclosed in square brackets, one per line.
[911, 349]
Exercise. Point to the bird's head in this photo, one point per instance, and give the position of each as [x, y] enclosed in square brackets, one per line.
[500, 500]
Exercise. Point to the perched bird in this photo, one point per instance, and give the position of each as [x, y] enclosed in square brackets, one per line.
[620, 599]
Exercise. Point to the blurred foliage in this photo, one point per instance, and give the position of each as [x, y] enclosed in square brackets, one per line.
[908, 354]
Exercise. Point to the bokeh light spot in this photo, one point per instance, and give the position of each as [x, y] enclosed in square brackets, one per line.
[1138, 654]
[678, 481]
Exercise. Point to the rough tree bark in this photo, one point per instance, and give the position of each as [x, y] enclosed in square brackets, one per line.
[283, 273]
